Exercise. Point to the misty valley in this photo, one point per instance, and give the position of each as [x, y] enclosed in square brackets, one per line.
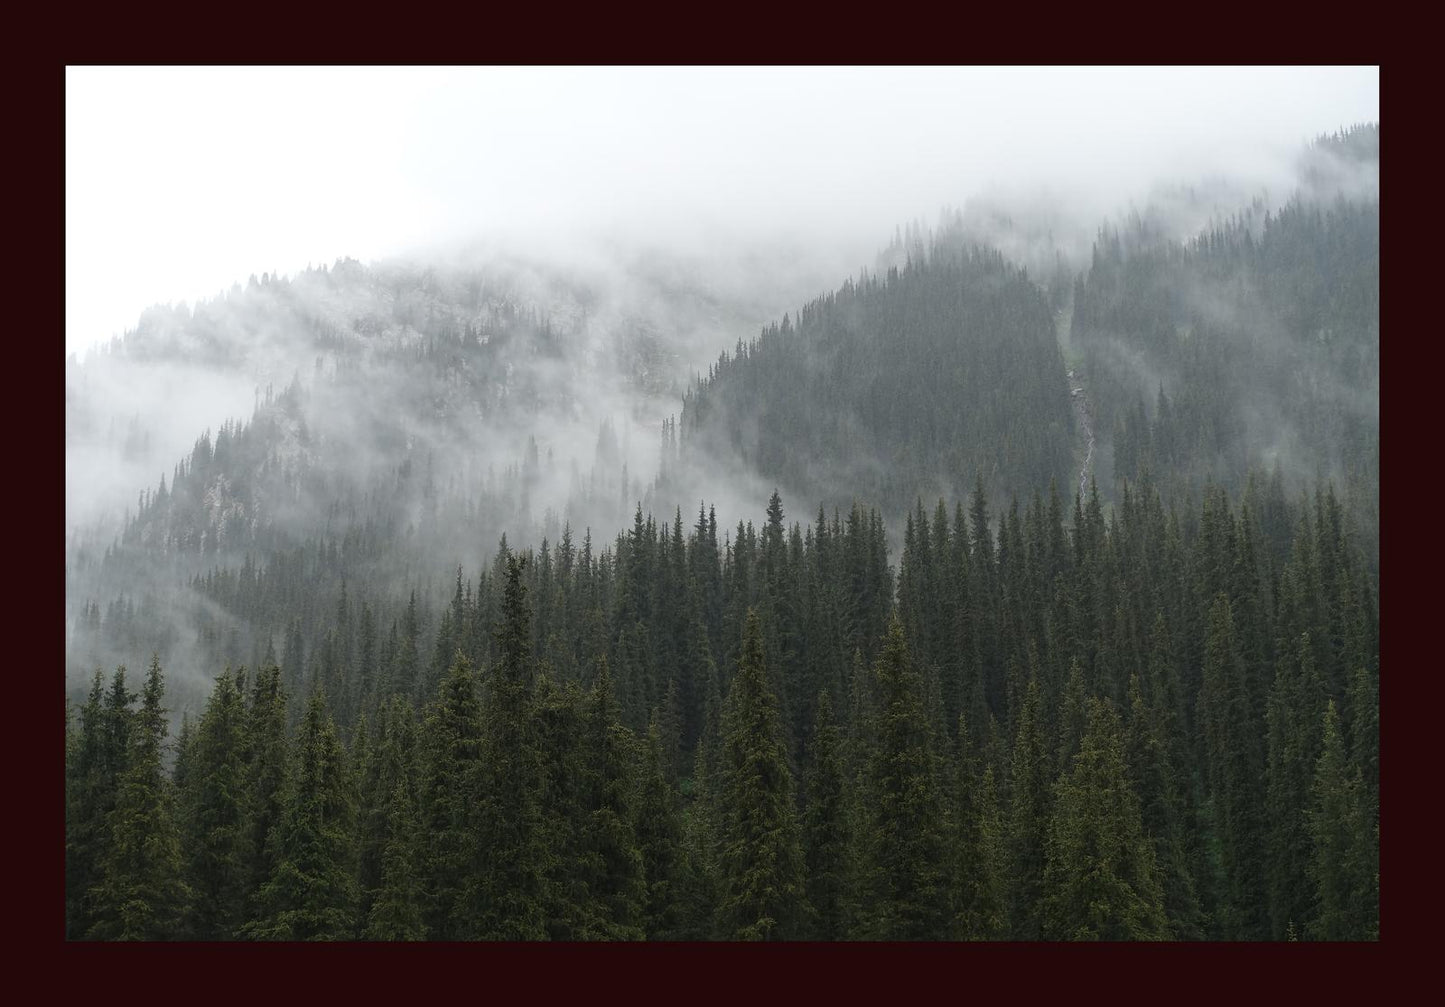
[1021, 585]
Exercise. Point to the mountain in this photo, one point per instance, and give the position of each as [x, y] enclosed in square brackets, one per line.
[1013, 590]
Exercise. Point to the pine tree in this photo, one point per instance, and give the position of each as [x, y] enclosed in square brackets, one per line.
[215, 809]
[566, 790]
[1161, 808]
[1030, 810]
[507, 884]
[1346, 900]
[450, 759]
[613, 863]
[1101, 881]
[826, 836]
[396, 912]
[267, 773]
[977, 848]
[761, 861]
[659, 840]
[141, 894]
[1234, 772]
[102, 752]
[906, 834]
[1295, 713]
[311, 895]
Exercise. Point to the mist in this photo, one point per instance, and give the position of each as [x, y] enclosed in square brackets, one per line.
[294, 252]
[180, 182]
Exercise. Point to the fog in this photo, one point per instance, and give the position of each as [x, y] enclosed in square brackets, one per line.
[600, 235]
[180, 182]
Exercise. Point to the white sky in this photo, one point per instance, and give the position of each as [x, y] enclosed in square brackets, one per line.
[180, 182]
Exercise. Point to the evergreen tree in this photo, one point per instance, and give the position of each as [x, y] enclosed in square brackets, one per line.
[507, 885]
[102, 752]
[311, 895]
[450, 760]
[267, 775]
[141, 893]
[977, 849]
[1234, 773]
[1346, 896]
[660, 842]
[396, 912]
[1152, 778]
[1101, 881]
[1295, 713]
[761, 861]
[215, 807]
[1030, 810]
[826, 835]
[906, 835]
[613, 863]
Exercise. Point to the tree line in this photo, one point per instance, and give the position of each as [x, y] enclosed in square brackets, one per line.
[1158, 725]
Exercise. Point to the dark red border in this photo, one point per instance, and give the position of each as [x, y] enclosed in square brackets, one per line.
[890, 973]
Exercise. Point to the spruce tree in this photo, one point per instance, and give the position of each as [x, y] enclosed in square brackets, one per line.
[1234, 773]
[1101, 881]
[451, 749]
[1161, 808]
[102, 752]
[826, 834]
[660, 842]
[760, 857]
[906, 833]
[613, 865]
[267, 772]
[1030, 810]
[311, 895]
[215, 836]
[977, 847]
[510, 862]
[1346, 900]
[141, 894]
[396, 911]
[1295, 714]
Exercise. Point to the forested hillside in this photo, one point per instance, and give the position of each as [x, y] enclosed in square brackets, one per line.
[914, 383]
[1149, 726]
[1257, 343]
[472, 617]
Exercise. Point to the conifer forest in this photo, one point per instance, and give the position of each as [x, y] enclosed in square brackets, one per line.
[1021, 585]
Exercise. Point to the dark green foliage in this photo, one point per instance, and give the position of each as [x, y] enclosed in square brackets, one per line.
[1344, 865]
[1234, 777]
[615, 839]
[267, 759]
[977, 847]
[510, 861]
[906, 834]
[141, 894]
[1030, 810]
[1101, 880]
[311, 894]
[1153, 779]
[450, 759]
[1296, 711]
[613, 867]
[214, 816]
[396, 912]
[827, 839]
[95, 762]
[760, 857]
[660, 842]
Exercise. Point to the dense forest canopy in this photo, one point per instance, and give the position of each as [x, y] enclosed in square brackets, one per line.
[488, 620]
